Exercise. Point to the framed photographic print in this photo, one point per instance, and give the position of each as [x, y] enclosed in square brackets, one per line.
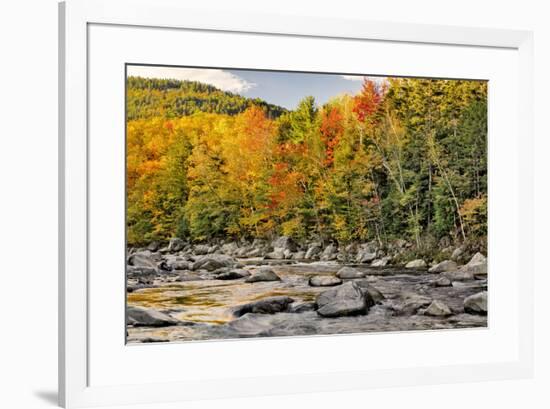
[315, 189]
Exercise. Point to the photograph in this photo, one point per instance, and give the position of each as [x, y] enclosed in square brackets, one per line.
[264, 203]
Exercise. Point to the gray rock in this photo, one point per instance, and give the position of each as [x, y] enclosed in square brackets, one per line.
[457, 254]
[146, 317]
[373, 292]
[458, 275]
[229, 248]
[477, 303]
[329, 253]
[313, 250]
[413, 302]
[233, 275]
[299, 255]
[263, 274]
[302, 307]
[142, 259]
[346, 299]
[277, 254]
[136, 271]
[287, 253]
[349, 273]
[381, 262]
[201, 249]
[175, 244]
[442, 282]
[178, 264]
[324, 281]
[213, 262]
[477, 266]
[365, 256]
[269, 305]
[447, 265]
[153, 246]
[255, 252]
[284, 243]
[418, 263]
[438, 309]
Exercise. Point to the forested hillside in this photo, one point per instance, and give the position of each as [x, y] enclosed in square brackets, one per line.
[148, 97]
[403, 159]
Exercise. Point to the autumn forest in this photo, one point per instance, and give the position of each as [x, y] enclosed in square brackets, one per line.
[403, 158]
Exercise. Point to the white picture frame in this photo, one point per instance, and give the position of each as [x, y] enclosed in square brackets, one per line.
[76, 18]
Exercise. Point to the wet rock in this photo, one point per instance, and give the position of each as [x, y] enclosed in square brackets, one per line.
[135, 272]
[413, 302]
[299, 255]
[234, 275]
[324, 281]
[447, 265]
[373, 292]
[178, 264]
[213, 262]
[269, 305]
[442, 282]
[349, 273]
[147, 317]
[302, 307]
[438, 309]
[418, 263]
[458, 275]
[346, 299]
[476, 304]
[176, 244]
[263, 274]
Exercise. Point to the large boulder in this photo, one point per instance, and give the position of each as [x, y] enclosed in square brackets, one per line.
[153, 246]
[373, 292]
[269, 305]
[142, 259]
[457, 254]
[438, 309]
[178, 264]
[381, 262]
[147, 317]
[176, 244]
[366, 253]
[477, 266]
[284, 243]
[263, 274]
[413, 303]
[313, 251]
[277, 254]
[477, 303]
[446, 265]
[349, 273]
[233, 275]
[299, 255]
[213, 262]
[443, 282]
[230, 248]
[418, 263]
[137, 272]
[344, 300]
[201, 249]
[329, 253]
[324, 281]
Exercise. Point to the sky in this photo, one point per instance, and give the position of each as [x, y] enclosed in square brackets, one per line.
[276, 87]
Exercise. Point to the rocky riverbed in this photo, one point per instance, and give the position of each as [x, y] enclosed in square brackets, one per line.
[183, 296]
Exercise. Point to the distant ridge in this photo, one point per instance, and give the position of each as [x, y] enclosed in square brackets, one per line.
[148, 97]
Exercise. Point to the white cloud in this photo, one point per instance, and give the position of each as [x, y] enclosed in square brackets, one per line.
[221, 79]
